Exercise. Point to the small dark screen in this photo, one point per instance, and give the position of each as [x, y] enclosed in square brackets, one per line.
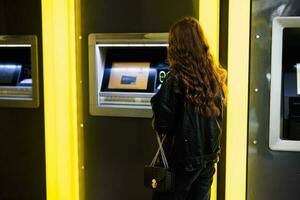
[9, 74]
[291, 83]
[15, 65]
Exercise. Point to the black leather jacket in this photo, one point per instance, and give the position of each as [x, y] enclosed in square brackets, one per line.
[193, 140]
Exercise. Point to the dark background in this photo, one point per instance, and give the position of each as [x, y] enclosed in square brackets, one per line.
[22, 146]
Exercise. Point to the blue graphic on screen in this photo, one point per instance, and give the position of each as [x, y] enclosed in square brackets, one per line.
[128, 80]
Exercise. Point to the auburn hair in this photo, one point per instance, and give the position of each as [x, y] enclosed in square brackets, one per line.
[190, 61]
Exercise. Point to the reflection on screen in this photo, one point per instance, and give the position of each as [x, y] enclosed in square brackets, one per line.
[9, 74]
[129, 75]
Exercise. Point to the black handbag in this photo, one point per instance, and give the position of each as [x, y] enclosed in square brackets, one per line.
[159, 178]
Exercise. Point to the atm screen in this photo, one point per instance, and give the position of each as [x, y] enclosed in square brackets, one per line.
[133, 69]
[19, 71]
[9, 74]
[129, 75]
[15, 65]
[291, 83]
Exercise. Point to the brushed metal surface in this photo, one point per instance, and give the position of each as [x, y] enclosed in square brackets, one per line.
[270, 174]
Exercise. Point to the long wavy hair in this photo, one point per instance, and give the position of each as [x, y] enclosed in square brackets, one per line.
[190, 61]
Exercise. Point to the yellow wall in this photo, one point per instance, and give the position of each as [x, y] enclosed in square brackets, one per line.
[209, 14]
[58, 26]
[209, 17]
[237, 109]
[238, 65]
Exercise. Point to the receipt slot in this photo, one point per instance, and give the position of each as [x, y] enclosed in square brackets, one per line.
[19, 71]
[125, 71]
[284, 128]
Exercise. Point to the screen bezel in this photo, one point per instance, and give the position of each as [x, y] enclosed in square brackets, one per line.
[23, 40]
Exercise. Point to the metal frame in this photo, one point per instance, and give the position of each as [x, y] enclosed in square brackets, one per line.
[276, 121]
[98, 42]
[24, 102]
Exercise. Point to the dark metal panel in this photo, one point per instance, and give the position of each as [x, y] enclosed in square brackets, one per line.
[134, 15]
[22, 146]
[116, 149]
[271, 174]
[221, 175]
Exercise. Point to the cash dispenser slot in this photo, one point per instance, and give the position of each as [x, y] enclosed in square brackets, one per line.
[112, 99]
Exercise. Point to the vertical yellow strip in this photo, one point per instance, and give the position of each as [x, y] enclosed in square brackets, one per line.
[79, 71]
[58, 26]
[237, 110]
[209, 17]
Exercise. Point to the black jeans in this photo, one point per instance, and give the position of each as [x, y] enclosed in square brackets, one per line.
[190, 185]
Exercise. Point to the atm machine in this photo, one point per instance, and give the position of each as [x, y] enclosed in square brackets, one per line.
[285, 85]
[274, 98]
[125, 71]
[18, 71]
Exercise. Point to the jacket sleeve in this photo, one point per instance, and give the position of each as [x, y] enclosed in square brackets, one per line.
[164, 106]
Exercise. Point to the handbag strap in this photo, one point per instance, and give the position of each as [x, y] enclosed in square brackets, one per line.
[161, 151]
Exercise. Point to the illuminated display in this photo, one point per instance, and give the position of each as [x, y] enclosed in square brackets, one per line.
[15, 65]
[162, 71]
[9, 74]
[134, 70]
[15, 71]
[162, 75]
[19, 71]
[129, 75]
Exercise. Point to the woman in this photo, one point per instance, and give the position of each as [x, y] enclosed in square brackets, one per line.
[188, 109]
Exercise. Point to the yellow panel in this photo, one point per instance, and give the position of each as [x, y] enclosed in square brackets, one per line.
[79, 72]
[58, 25]
[209, 13]
[209, 17]
[237, 110]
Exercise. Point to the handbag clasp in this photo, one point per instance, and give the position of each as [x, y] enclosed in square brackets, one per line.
[154, 183]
